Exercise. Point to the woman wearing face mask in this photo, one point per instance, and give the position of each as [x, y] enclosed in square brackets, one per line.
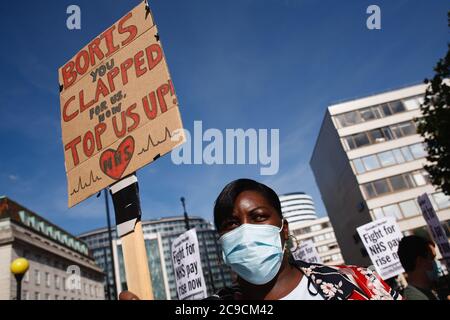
[253, 235]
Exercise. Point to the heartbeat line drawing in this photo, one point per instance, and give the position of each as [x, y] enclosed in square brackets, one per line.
[150, 142]
[82, 186]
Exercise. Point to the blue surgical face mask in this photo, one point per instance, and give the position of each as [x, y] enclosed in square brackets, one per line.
[253, 251]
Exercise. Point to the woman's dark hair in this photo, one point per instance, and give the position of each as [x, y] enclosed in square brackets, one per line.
[412, 247]
[224, 204]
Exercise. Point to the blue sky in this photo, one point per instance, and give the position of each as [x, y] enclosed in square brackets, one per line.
[235, 64]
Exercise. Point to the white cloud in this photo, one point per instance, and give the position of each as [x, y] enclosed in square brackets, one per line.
[13, 177]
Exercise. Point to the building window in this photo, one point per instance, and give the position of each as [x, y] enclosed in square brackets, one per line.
[371, 163]
[26, 277]
[47, 279]
[395, 183]
[387, 158]
[47, 296]
[377, 111]
[361, 140]
[381, 186]
[418, 150]
[392, 211]
[398, 183]
[409, 208]
[378, 213]
[413, 103]
[25, 295]
[404, 209]
[442, 201]
[37, 296]
[57, 282]
[37, 277]
[379, 135]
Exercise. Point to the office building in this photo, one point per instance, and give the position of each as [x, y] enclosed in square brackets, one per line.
[368, 163]
[297, 206]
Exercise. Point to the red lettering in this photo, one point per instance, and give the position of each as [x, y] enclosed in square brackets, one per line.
[131, 29]
[84, 106]
[66, 117]
[151, 113]
[153, 61]
[124, 66]
[123, 131]
[94, 50]
[108, 36]
[134, 116]
[88, 144]
[82, 55]
[72, 145]
[138, 62]
[99, 130]
[162, 91]
[68, 74]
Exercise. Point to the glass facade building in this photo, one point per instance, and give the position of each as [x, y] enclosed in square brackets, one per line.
[158, 236]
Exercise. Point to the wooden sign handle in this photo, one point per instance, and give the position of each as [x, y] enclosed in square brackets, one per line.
[125, 195]
[136, 264]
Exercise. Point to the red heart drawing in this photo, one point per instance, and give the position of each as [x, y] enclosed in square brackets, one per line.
[114, 162]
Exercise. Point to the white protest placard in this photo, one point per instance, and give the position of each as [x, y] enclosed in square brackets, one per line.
[187, 267]
[381, 239]
[435, 226]
[306, 251]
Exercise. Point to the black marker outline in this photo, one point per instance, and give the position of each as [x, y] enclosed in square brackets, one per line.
[87, 184]
[150, 140]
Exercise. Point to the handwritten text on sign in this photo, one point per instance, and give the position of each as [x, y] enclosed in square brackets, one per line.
[119, 110]
[381, 239]
[187, 267]
[306, 251]
[435, 226]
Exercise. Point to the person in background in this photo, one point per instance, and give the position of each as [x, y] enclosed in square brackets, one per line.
[417, 256]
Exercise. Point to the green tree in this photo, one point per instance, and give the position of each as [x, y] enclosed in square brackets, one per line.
[435, 124]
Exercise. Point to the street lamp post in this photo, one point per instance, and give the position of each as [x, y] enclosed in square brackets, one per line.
[186, 218]
[19, 267]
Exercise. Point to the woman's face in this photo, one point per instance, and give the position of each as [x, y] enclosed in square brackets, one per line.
[252, 208]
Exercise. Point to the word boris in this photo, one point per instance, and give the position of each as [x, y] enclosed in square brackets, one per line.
[101, 47]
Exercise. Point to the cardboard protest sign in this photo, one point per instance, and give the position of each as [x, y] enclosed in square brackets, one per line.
[187, 266]
[119, 110]
[306, 251]
[435, 227]
[381, 239]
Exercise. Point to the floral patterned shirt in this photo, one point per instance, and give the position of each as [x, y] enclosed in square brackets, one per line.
[335, 283]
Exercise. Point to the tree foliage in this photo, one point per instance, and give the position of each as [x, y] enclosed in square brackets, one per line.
[434, 126]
